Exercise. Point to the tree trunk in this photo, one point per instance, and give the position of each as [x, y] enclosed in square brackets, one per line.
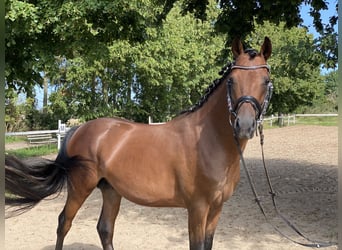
[45, 95]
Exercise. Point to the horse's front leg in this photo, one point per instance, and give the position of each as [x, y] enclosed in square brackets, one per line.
[197, 219]
[212, 220]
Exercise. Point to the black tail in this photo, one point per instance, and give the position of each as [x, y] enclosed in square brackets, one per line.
[27, 183]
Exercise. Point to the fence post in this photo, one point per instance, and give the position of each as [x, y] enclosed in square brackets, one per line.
[59, 135]
[61, 129]
[280, 120]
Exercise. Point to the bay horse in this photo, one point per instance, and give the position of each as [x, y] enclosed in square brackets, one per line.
[190, 162]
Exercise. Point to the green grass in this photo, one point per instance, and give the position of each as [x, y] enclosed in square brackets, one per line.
[322, 121]
[34, 151]
[11, 139]
[319, 121]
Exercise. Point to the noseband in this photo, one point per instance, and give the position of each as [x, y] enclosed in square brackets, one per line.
[260, 109]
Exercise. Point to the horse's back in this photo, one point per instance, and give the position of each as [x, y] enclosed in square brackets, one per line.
[90, 133]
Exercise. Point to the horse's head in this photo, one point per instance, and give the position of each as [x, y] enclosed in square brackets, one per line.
[249, 87]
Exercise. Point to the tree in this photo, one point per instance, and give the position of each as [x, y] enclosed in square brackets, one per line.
[329, 101]
[159, 77]
[37, 33]
[239, 18]
[177, 64]
[22, 28]
[21, 115]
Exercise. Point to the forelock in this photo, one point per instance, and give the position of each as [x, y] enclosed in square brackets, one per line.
[252, 53]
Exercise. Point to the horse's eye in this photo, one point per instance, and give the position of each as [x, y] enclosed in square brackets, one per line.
[267, 81]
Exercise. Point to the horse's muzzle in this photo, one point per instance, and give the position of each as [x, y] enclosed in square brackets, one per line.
[244, 126]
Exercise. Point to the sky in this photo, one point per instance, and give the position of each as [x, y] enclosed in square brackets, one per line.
[307, 21]
[325, 14]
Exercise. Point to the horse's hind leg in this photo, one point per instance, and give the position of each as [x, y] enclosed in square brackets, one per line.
[78, 192]
[110, 209]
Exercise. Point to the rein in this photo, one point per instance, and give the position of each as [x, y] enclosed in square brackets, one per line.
[260, 112]
[313, 244]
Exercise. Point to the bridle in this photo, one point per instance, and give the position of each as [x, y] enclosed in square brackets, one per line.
[234, 106]
[260, 111]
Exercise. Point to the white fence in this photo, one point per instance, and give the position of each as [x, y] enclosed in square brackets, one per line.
[291, 119]
[60, 132]
[150, 121]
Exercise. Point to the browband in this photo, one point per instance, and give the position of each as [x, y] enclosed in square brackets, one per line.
[251, 67]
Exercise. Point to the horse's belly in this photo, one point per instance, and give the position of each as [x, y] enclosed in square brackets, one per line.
[149, 187]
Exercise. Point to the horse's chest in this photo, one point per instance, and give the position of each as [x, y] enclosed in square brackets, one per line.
[221, 195]
[228, 185]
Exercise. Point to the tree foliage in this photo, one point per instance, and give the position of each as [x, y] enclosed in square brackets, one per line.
[38, 31]
[239, 18]
[158, 78]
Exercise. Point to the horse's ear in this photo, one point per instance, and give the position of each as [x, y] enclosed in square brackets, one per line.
[266, 48]
[237, 47]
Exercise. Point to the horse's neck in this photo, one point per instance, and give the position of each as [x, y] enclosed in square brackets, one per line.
[213, 117]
